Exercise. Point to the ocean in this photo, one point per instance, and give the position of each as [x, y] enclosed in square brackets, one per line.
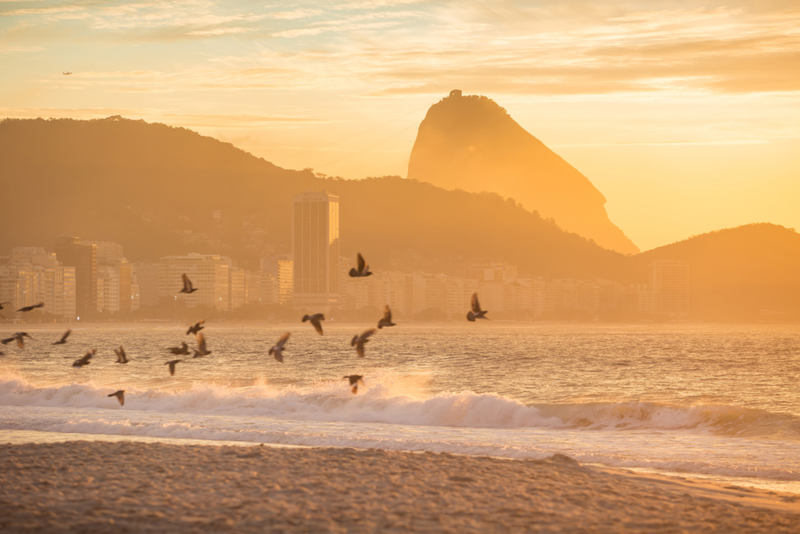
[719, 402]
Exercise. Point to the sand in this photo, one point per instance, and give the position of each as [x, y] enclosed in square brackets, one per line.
[152, 487]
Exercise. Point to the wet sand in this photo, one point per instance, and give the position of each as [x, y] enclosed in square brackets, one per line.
[94, 487]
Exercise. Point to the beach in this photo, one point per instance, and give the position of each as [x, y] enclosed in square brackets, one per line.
[92, 486]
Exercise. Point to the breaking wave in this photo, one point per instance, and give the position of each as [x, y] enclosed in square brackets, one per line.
[382, 403]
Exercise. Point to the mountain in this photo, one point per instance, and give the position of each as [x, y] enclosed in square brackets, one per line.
[160, 190]
[471, 143]
[747, 273]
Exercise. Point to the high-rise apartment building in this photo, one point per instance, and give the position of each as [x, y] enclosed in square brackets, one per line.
[33, 276]
[83, 258]
[282, 272]
[669, 282]
[315, 249]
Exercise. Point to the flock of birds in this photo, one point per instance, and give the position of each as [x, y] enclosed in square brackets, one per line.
[358, 341]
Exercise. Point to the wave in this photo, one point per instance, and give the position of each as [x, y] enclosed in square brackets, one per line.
[381, 403]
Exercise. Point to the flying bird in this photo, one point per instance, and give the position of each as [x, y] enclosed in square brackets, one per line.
[277, 350]
[172, 365]
[358, 341]
[85, 360]
[121, 356]
[476, 312]
[63, 340]
[66, 73]
[363, 268]
[355, 380]
[182, 350]
[315, 320]
[19, 337]
[201, 346]
[196, 328]
[3, 303]
[31, 308]
[120, 395]
[187, 285]
[387, 318]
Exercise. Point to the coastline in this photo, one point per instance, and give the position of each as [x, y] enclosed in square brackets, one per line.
[125, 485]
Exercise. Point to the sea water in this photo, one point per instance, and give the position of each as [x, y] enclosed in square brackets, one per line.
[711, 401]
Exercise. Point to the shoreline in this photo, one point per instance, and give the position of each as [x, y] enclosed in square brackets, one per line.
[21, 437]
[126, 485]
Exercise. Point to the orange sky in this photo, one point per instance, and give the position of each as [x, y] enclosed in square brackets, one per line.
[685, 118]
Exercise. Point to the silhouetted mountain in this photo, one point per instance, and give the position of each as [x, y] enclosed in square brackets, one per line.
[153, 188]
[471, 143]
[747, 273]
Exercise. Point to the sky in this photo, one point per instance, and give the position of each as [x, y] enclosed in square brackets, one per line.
[686, 117]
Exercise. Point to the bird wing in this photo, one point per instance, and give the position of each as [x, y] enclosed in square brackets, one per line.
[187, 284]
[387, 314]
[66, 335]
[361, 263]
[360, 348]
[201, 342]
[317, 325]
[284, 338]
[367, 333]
[476, 306]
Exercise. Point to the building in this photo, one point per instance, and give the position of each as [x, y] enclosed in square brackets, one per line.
[106, 250]
[282, 271]
[209, 273]
[315, 251]
[669, 282]
[146, 275]
[33, 276]
[83, 258]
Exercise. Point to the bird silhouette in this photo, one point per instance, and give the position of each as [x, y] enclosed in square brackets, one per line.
[121, 356]
[387, 318]
[3, 304]
[363, 268]
[178, 351]
[187, 285]
[315, 320]
[196, 328]
[31, 308]
[120, 395]
[355, 380]
[19, 337]
[476, 312]
[63, 340]
[66, 73]
[277, 350]
[201, 346]
[80, 362]
[172, 365]
[358, 341]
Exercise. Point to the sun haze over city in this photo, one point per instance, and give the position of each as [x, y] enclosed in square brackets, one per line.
[480, 266]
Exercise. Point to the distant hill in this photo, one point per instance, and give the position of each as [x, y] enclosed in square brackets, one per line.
[747, 273]
[471, 143]
[153, 189]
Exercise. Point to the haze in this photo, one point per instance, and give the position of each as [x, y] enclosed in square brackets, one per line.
[684, 117]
